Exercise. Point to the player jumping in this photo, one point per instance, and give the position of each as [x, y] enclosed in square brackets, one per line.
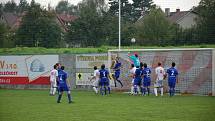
[132, 75]
[138, 78]
[116, 69]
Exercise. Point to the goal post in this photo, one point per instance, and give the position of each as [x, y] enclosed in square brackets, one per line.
[196, 67]
[213, 73]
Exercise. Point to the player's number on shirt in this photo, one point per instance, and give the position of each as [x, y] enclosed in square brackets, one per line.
[172, 74]
[147, 73]
[103, 74]
[61, 77]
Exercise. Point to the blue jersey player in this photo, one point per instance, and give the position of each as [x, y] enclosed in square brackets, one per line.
[63, 86]
[104, 80]
[146, 79]
[138, 78]
[172, 79]
[116, 69]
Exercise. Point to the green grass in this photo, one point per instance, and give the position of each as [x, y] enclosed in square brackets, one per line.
[103, 49]
[36, 105]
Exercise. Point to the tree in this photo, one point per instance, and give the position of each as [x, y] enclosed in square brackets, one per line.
[154, 29]
[62, 7]
[141, 7]
[205, 21]
[38, 28]
[87, 30]
[23, 6]
[10, 6]
[126, 9]
[3, 32]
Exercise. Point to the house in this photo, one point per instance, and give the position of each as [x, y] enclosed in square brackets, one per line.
[64, 20]
[13, 20]
[185, 19]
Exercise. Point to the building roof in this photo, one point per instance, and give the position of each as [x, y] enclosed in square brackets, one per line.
[66, 17]
[10, 18]
[14, 20]
[174, 17]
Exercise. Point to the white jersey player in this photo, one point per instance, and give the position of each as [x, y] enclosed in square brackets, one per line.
[95, 76]
[132, 73]
[160, 76]
[53, 80]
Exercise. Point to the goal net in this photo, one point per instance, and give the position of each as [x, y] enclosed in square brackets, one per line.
[195, 66]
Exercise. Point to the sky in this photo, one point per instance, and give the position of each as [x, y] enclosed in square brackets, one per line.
[183, 5]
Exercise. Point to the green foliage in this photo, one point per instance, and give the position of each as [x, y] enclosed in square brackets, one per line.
[62, 7]
[38, 29]
[3, 32]
[6, 37]
[206, 22]
[35, 105]
[10, 6]
[87, 30]
[23, 6]
[141, 7]
[154, 28]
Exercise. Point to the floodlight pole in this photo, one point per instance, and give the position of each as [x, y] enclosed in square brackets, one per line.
[119, 25]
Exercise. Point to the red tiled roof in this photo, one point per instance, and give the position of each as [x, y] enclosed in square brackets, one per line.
[66, 17]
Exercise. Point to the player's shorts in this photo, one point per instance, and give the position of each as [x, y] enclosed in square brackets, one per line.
[158, 83]
[137, 81]
[64, 88]
[117, 74]
[146, 83]
[95, 83]
[171, 84]
[104, 82]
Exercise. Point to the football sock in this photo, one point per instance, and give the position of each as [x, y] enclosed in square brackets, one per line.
[115, 82]
[148, 91]
[69, 98]
[173, 91]
[108, 90]
[120, 83]
[59, 98]
[156, 91]
[105, 90]
[161, 91]
[101, 90]
[95, 89]
[132, 90]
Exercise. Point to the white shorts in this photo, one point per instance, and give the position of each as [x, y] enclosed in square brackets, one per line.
[53, 83]
[95, 83]
[158, 83]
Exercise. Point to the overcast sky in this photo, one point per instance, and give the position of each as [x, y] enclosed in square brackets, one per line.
[172, 4]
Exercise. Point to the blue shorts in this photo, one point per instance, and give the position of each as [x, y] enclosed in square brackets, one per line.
[104, 82]
[117, 74]
[171, 84]
[146, 83]
[65, 88]
[137, 81]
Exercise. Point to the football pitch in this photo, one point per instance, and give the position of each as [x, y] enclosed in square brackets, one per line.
[37, 105]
